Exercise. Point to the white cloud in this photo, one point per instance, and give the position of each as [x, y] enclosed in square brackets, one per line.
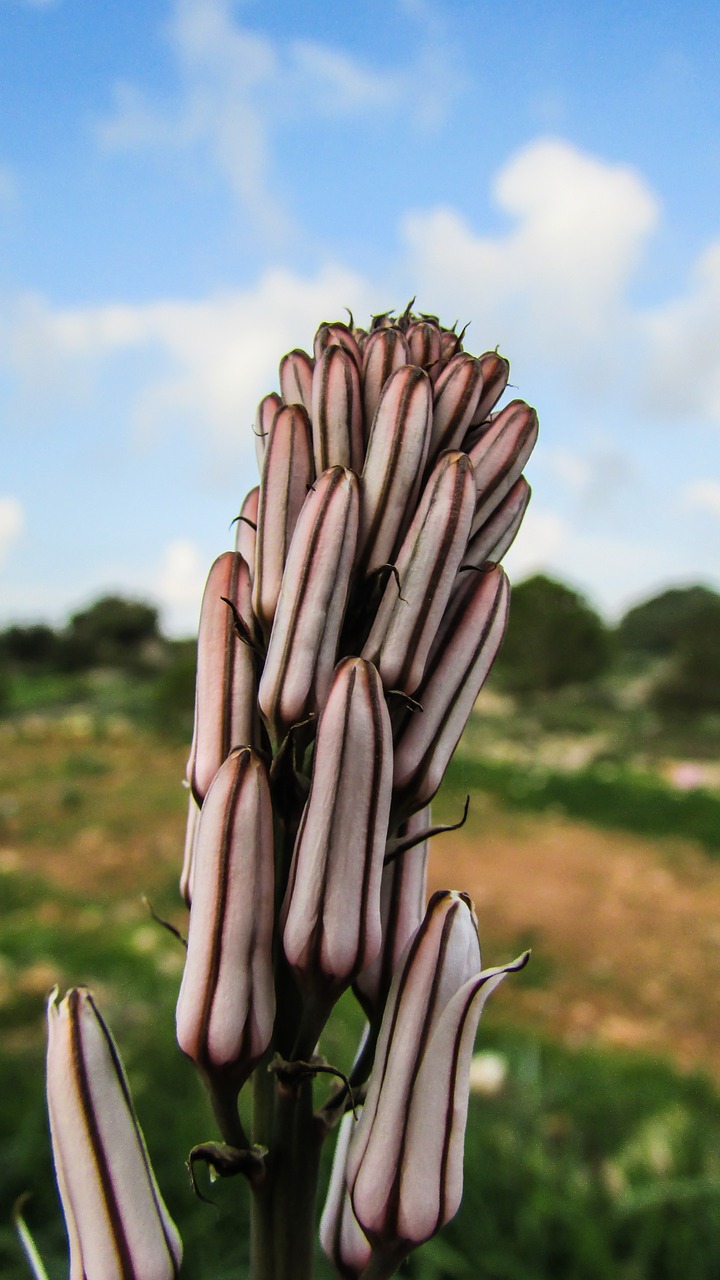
[179, 585]
[12, 525]
[558, 276]
[702, 495]
[214, 358]
[237, 88]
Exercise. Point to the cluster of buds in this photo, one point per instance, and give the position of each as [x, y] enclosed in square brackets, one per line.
[342, 646]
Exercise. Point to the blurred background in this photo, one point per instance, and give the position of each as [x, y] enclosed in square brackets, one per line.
[186, 190]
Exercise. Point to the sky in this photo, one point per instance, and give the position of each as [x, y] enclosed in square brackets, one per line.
[189, 187]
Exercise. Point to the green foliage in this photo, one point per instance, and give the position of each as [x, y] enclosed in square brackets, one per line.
[111, 632]
[692, 685]
[554, 638]
[656, 626]
[608, 795]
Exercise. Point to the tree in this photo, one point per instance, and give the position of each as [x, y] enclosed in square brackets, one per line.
[692, 685]
[554, 638]
[113, 631]
[657, 626]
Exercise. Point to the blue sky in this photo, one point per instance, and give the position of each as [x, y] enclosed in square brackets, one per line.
[188, 188]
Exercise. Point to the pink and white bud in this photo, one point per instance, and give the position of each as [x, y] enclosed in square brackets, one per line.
[498, 453]
[495, 374]
[385, 351]
[455, 399]
[186, 875]
[402, 906]
[411, 609]
[246, 528]
[302, 650]
[423, 338]
[226, 686]
[337, 335]
[342, 1238]
[264, 416]
[118, 1226]
[498, 533]
[331, 914]
[226, 1006]
[460, 660]
[394, 463]
[287, 475]
[296, 378]
[337, 415]
[404, 1166]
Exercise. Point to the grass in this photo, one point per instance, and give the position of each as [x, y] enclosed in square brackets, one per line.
[607, 795]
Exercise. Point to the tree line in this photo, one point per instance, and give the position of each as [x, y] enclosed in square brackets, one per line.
[555, 639]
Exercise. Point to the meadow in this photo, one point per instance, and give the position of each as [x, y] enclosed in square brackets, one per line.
[593, 1149]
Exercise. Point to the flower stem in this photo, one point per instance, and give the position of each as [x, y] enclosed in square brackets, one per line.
[283, 1209]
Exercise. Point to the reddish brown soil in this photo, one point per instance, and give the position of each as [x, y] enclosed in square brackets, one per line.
[625, 933]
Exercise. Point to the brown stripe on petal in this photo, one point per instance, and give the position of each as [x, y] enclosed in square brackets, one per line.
[455, 399]
[499, 455]
[104, 1176]
[385, 351]
[337, 411]
[495, 372]
[296, 374]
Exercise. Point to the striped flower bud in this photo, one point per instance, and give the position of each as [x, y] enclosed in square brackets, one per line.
[423, 339]
[225, 689]
[264, 415]
[342, 1238]
[394, 463]
[118, 1226]
[331, 913]
[459, 662]
[455, 398]
[287, 475]
[302, 650]
[432, 550]
[495, 374]
[404, 1166]
[497, 534]
[450, 345]
[385, 351]
[226, 1006]
[337, 335]
[186, 875]
[246, 528]
[337, 420]
[296, 378]
[499, 453]
[402, 907]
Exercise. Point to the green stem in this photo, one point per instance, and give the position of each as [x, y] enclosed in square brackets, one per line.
[385, 1263]
[283, 1209]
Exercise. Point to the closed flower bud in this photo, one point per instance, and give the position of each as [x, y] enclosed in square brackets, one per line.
[423, 339]
[296, 378]
[226, 1006]
[495, 374]
[287, 475]
[331, 913]
[402, 907]
[455, 398]
[225, 689]
[411, 608]
[404, 1166]
[385, 351]
[459, 662]
[337, 417]
[337, 335]
[186, 874]
[497, 534]
[246, 528]
[117, 1223]
[499, 453]
[394, 463]
[302, 650]
[264, 415]
[342, 1238]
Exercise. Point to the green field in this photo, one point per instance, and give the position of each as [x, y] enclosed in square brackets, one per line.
[583, 1164]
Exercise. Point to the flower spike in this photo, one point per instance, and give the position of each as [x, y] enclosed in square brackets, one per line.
[118, 1225]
